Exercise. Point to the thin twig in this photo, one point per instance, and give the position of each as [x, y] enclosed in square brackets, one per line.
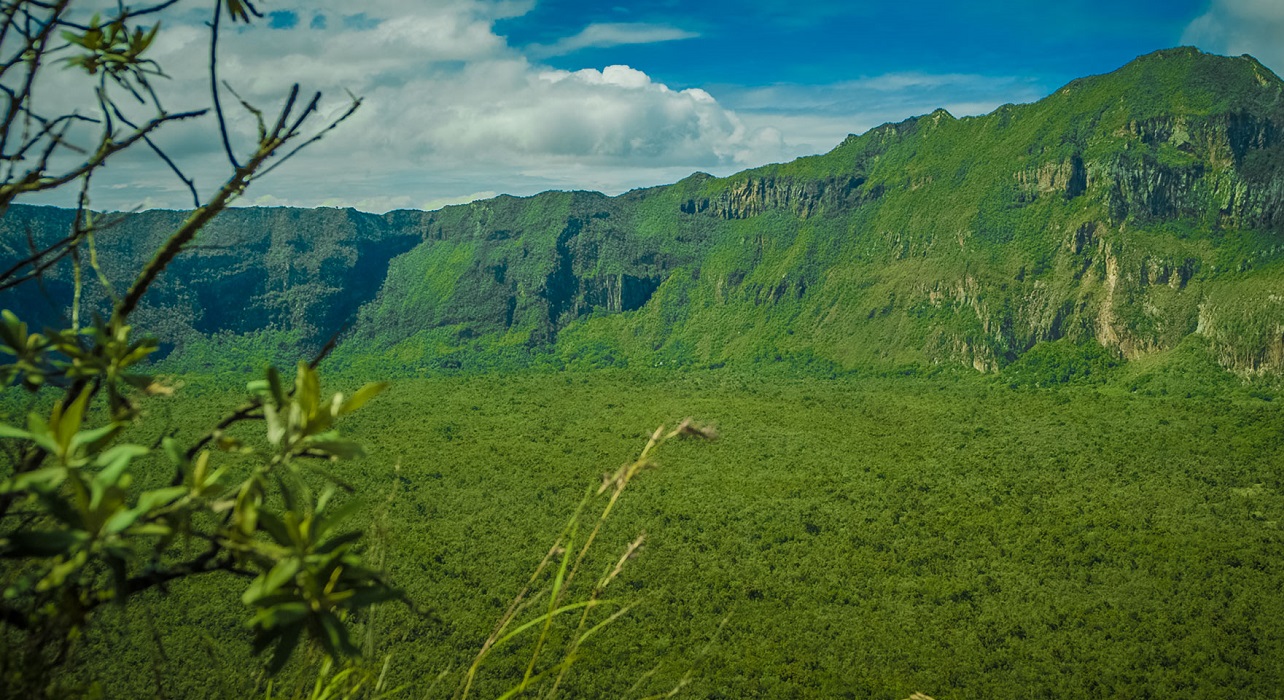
[218, 105]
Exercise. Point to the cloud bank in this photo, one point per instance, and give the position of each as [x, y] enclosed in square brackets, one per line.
[449, 109]
[1237, 27]
[452, 111]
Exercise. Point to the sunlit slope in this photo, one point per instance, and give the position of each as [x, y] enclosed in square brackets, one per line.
[1131, 210]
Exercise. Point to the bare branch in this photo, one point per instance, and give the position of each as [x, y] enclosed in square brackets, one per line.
[160, 153]
[35, 182]
[352, 108]
[218, 105]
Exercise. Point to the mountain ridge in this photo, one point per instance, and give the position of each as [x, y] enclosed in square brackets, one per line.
[1131, 209]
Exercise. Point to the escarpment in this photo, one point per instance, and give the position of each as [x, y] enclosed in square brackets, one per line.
[1129, 210]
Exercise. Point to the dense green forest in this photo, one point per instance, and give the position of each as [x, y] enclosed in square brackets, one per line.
[861, 537]
[996, 398]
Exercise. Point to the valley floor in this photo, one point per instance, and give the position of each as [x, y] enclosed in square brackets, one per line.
[860, 538]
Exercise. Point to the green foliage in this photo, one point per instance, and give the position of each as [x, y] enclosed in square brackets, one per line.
[1190, 371]
[114, 50]
[94, 519]
[872, 535]
[1098, 212]
[104, 354]
[86, 516]
[879, 522]
[1050, 364]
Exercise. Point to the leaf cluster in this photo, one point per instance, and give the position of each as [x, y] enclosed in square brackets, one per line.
[84, 520]
[113, 49]
[89, 536]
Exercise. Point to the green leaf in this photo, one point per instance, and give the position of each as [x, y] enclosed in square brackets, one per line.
[372, 595]
[58, 574]
[95, 439]
[122, 520]
[114, 462]
[8, 431]
[334, 636]
[338, 541]
[277, 611]
[335, 446]
[362, 396]
[328, 520]
[43, 479]
[173, 451]
[287, 640]
[307, 388]
[274, 385]
[152, 530]
[72, 416]
[280, 575]
[275, 529]
[275, 425]
[267, 584]
[150, 500]
[245, 514]
[120, 577]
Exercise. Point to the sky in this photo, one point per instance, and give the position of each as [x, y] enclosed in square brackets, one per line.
[467, 99]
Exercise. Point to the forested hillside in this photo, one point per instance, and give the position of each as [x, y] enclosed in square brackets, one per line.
[1128, 211]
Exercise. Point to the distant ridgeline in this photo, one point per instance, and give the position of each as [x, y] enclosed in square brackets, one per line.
[1128, 211]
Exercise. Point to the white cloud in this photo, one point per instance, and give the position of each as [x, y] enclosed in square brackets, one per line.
[598, 36]
[1237, 27]
[450, 110]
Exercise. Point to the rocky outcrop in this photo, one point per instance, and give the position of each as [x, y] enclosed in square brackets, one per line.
[306, 270]
[1193, 166]
[1247, 334]
[752, 196]
[1068, 178]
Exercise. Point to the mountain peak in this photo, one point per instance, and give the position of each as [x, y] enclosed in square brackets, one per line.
[1183, 80]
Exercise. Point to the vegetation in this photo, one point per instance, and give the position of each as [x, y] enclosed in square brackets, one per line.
[77, 529]
[870, 537]
[90, 515]
[1099, 214]
[882, 519]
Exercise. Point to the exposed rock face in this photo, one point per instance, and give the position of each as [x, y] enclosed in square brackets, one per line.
[1198, 164]
[1068, 177]
[802, 198]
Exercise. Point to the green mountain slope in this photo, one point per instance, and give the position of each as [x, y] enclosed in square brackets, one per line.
[300, 273]
[1132, 210]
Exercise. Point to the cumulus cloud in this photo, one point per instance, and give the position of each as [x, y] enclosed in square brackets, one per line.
[450, 109]
[604, 35]
[615, 115]
[452, 112]
[1241, 26]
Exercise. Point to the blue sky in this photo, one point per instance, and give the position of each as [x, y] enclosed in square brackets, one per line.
[470, 98]
[761, 42]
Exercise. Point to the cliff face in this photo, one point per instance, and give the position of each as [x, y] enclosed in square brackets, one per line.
[1131, 210]
[307, 271]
